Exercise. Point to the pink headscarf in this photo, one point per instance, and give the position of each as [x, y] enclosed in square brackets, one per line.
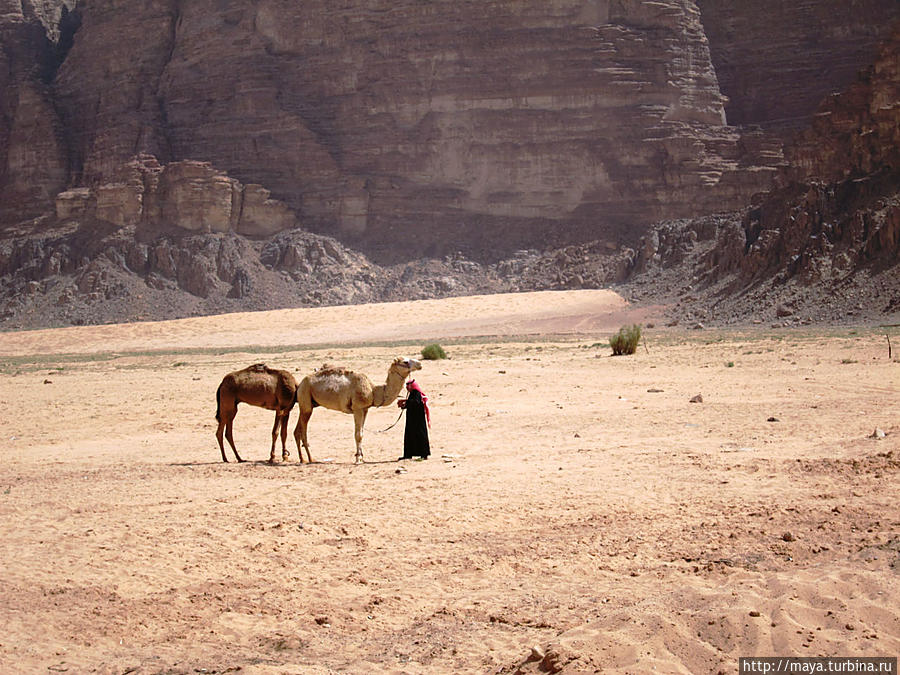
[412, 384]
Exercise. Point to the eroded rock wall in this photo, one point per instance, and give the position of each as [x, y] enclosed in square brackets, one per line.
[189, 195]
[836, 209]
[33, 155]
[436, 123]
[777, 61]
[407, 128]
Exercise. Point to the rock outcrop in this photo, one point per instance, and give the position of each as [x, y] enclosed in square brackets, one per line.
[467, 126]
[262, 153]
[823, 244]
[33, 154]
[479, 127]
[837, 206]
[777, 61]
[189, 195]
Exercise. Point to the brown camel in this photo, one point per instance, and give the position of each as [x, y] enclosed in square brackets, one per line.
[261, 386]
[349, 392]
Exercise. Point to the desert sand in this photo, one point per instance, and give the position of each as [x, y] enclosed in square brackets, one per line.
[578, 514]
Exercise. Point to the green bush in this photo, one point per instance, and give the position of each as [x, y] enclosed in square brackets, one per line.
[433, 352]
[626, 340]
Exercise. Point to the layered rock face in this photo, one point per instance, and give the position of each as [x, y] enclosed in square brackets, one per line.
[413, 129]
[188, 195]
[777, 61]
[838, 206]
[444, 125]
[469, 125]
[822, 245]
[475, 126]
[33, 155]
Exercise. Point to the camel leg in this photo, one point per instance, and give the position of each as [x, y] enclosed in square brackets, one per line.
[220, 418]
[230, 438]
[285, 455]
[359, 421]
[300, 434]
[226, 413]
[219, 437]
[274, 436]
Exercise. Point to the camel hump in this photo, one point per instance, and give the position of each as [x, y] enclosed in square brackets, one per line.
[328, 369]
[263, 368]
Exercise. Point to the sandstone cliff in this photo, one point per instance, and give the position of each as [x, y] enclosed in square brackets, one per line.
[467, 125]
[33, 154]
[470, 126]
[190, 195]
[824, 243]
[512, 143]
[838, 204]
[777, 61]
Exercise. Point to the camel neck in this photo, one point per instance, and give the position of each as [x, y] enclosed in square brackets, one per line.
[383, 395]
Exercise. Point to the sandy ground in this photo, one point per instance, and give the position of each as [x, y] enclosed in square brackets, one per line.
[579, 513]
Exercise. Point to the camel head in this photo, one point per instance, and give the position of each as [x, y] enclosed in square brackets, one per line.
[404, 366]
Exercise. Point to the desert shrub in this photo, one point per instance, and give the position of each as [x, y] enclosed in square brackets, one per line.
[433, 352]
[626, 340]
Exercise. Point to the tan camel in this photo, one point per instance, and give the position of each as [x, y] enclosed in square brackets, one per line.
[349, 392]
[261, 386]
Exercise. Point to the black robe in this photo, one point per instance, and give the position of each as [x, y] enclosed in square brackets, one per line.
[415, 438]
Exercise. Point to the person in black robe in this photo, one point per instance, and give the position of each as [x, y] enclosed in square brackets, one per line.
[418, 419]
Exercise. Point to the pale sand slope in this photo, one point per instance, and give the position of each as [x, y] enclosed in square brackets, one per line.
[586, 507]
[507, 314]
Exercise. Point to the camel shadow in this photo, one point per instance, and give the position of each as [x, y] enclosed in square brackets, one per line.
[337, 463]
[265, 462]
[210, 463]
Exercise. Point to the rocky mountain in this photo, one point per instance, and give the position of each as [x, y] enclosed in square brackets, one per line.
[366, 119]
[175, 157]
[824, 242]
[103, 273]
[777, 61]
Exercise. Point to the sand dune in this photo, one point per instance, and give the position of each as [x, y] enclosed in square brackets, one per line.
[507, 314]
[579, 513]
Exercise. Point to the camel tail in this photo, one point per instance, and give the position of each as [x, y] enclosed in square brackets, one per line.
[218, 402]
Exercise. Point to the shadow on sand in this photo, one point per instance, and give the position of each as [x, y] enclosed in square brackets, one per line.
[279, 464]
